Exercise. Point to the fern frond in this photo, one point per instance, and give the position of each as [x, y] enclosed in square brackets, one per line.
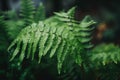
[40, 13]
[84, 31]
[27, 12]
[105, 54]
[53, 38]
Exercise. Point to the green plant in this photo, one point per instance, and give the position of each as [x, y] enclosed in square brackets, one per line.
[64, 37]
[11, 14]
[15, 23]
[27, 12]
[105, 54]
[61, 38]
[40, 13]
[104, 59]
[3, 39]
[10, 25]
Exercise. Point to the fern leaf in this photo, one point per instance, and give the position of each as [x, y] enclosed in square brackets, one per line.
[27, 11]
[87, 29]
[66, 50]
[15, 51]
[88, 46]
[29, 49]
[42, 44]
[69, 14]
[61, 14]
[43, 41]
[58, 40]
[105, 54]
[63, 19]
[59, 55]
[83, 34]
[51, 38]
[78, 59]
[85, 40]
[32, 42]
[55, 38]
[40, 13]
[49, 43]
[55, 46]
[87, 22]
[12, 44]
[22, 54]
[35, 42]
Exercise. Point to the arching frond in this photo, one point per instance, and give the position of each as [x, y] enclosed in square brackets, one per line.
[53, 38]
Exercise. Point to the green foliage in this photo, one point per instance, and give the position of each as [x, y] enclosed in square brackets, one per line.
[27, 12]
[11, 15]
[109, 71]
[13, 28]
[14, 24]
[10, 26]
[40, 13]
[61, 38]
[105, 60]
[105, 54]
[3, 34]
